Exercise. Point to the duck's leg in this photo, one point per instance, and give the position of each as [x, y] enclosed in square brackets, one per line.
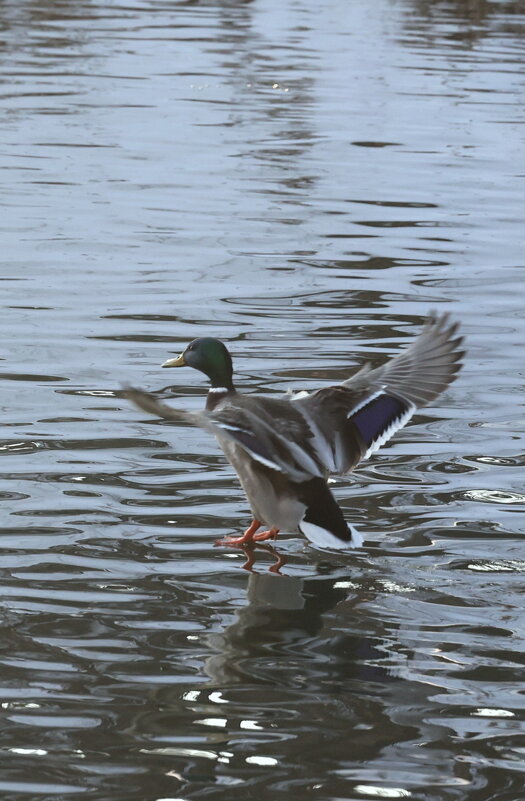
[271, 534]
[245, 539]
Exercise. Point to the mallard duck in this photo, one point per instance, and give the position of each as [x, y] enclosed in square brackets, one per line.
[283, 449]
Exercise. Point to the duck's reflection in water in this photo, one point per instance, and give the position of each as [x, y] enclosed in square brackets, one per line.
[281, 619]
[250, 553]
[298, 647]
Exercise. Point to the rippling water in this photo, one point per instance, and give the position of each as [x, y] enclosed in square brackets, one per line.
[305, 182]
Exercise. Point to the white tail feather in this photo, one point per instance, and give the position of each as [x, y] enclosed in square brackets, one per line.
[322, 538]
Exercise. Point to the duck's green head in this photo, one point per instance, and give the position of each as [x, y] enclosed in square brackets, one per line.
[211, 357]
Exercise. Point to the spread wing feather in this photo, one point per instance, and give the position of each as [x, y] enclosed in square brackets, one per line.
[355, 418]
[239, 423]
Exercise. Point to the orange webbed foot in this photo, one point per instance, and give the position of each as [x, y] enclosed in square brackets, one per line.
[271, 534]
[245, 539]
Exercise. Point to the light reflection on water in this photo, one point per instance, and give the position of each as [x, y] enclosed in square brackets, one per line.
[305, 186]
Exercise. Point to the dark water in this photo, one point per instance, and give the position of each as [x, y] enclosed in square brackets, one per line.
[305, 181]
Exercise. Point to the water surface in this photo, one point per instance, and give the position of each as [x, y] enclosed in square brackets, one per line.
[306, 184]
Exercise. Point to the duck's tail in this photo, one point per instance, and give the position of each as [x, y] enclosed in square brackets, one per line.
[323, 522]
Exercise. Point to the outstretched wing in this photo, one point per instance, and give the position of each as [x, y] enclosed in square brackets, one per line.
[249, 428]
[355, 418]
[421, 372]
